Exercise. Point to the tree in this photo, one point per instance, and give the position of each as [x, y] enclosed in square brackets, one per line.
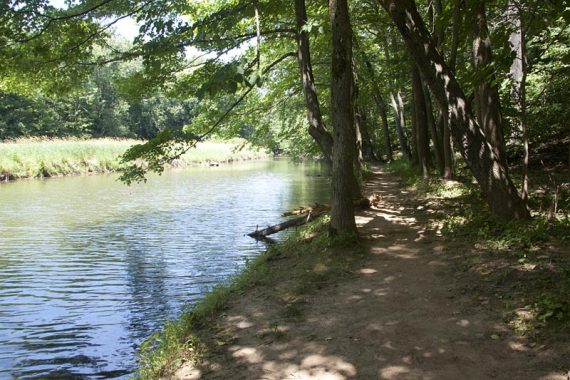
[488, 169]
[342, 213]
[421, 123]
[317, 127]
[486, 92]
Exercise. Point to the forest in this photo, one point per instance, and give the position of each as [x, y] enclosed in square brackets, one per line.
[473, 92]
[481, 82]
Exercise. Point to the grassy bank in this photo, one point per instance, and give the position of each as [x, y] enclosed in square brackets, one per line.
[292, 269]
[524, 263]
[34, 158]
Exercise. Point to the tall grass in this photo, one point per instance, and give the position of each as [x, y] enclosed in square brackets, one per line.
[37, 158]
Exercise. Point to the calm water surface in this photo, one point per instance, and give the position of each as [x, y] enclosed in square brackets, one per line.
[90, 267]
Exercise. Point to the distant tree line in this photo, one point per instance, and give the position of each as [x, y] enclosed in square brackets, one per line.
[98, 108]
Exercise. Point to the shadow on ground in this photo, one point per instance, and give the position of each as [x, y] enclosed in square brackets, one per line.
[404, 312]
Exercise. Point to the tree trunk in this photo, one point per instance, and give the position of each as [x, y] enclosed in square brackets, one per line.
[381, 104]
[443, 122]
[436, 136]
[317, 127]
[517, 41]
[342, 213]
[398, 107]
[488, 169]
[359, 157]
[486, 92]
[421, 127]
[438, 10]
[367, 146]
[456, 29]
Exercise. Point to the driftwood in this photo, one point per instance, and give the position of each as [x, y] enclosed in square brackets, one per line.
[317, 208]
[283, 226]
[362, 203]
[308, 215]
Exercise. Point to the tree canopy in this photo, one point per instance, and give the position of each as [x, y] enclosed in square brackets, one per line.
[483, 79]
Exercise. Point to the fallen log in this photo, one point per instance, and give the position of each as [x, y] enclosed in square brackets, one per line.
[283, 226]
[362, 203]
[305, 210]
[312, 213]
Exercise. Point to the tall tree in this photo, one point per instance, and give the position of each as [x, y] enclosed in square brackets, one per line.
[421, 122]
[382, 108]
[317, 127]
[397, 104]
[518, 72]
[486, 92]
[488, 169]
[342, 213]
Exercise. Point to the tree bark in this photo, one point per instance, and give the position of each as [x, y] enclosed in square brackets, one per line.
[518, 72]
[357, 119]
[489, 171]
[381, 104]
[367, 146]
[421, 127]
[435, 135]
[455, 31]
[443, 122]
[486, 92]
[342, 213]
[398, 107]
[317, 128]
[359, 159]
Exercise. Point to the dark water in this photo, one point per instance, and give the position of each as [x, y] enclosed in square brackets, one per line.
[90, 267]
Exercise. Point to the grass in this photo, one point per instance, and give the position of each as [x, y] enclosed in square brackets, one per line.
[40, 158]
[305, 261]
[523, 263]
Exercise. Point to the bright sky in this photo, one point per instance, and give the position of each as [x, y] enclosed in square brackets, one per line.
[129, 29]
[126, 27]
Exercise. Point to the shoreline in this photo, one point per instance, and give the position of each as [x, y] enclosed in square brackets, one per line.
[44, 159]
[406, 299]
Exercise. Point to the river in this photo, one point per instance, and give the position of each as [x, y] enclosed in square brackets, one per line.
[90, 267]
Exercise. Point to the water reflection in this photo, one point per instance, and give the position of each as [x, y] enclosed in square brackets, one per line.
[89, 267]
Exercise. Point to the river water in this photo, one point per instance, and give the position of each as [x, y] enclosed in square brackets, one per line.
[90, 267]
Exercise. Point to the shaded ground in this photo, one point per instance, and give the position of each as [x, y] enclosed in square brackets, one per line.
[404, 310]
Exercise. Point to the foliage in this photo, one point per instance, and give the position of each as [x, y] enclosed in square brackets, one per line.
[472, 220]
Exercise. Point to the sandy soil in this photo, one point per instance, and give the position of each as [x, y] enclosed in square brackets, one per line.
[405, 312]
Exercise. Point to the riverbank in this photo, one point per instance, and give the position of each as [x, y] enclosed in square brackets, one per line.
[36, 158]
[412, 300]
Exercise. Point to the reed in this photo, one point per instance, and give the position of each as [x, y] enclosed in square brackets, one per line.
[40, 158]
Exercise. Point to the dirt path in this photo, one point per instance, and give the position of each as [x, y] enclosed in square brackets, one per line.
[404, 313]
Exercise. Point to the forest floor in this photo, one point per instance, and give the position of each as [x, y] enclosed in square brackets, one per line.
[408, 303]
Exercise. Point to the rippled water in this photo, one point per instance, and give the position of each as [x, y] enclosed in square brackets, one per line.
[90, 267]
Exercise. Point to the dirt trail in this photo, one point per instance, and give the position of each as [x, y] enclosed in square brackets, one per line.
[404, 314]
